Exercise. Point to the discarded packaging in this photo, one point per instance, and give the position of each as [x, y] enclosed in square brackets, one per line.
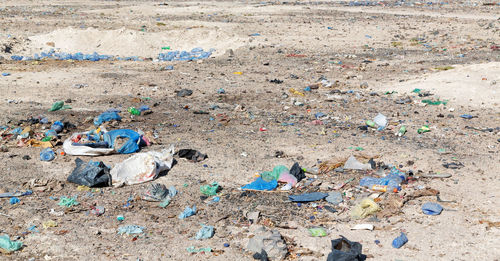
[432, 209]
[365, 208]
[353, 163]
[205, 232]
[345, 250]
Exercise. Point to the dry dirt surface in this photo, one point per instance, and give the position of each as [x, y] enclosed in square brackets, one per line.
[373, 55]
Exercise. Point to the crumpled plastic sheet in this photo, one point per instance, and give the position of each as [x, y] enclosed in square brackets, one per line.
[209, 190]
[130, 229]
[365, 208]
[8, 244]
[90, 174]
[275, 174]
[308, 197]
[432, 209]
[188, 212]
[400, 241]
[205, 232]
[107, 116]
[260, 184]
[192, 249]
[317, 232]
[68, 202]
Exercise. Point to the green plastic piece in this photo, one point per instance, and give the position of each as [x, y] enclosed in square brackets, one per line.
[438, 102]
[48, 138]
[402, 130]
[68, 202]
[317, 232]
[209, 190]
[423, 129]
[416, 90]
[134, 111]
[275, 174]
[59, 105]
[370, 123]
[8, 244]
[359, 148]
[166, 48]
[192, 249]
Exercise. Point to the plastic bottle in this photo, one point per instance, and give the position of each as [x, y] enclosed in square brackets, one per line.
[47, 154]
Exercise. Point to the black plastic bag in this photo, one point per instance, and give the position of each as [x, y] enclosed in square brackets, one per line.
[297, 172]
[345, 250]
[192, 155]
[90, 174]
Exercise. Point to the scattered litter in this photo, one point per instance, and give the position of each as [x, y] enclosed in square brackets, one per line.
[353, 163]
[59, 105]
[260, 184]
[192, 155]
[192, 249]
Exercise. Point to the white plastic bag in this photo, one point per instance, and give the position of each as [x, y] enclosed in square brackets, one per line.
[142, 167]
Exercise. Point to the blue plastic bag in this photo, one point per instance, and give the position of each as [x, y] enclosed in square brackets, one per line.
[432, 209]
[260, 184]
[188, 212]
[400, 241]
[107, 116]
[132, 144]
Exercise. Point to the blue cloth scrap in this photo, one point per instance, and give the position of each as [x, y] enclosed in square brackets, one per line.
[308, 197]
[432, 209]
[188, 212]
[400, 241]
[260, 184]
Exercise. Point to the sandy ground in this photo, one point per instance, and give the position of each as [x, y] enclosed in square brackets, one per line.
[376, 56]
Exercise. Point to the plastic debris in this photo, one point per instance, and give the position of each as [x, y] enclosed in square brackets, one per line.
[423, 129]
[9, 245]
[14, 200]
[155, 192]
[68, 202]
[365, 208]
[188, 212]
[192, 249]
[334, 197]
[195, 54]
[107, 116]
[353, 163]
[90, 174]
[97, 210]
[192, 155]
[345, 250]
[393, 181]
[205, 232]
[381, 121]
[275, 174]
[317, 232]
[400, 241]
[49, 223]
[260, 184]
[432, 209]
[363, 227]
[130, 229]
[308, 197]
[142, 167]
[210, 190]
[184, 93]
[59, 105]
